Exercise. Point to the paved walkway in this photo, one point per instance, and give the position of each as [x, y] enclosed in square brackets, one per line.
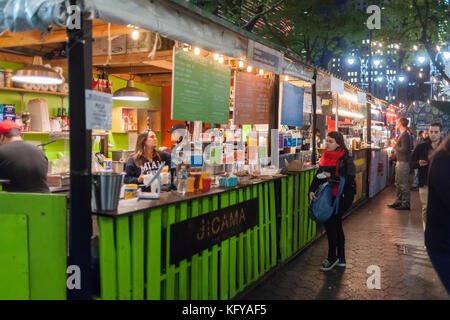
[375, 235]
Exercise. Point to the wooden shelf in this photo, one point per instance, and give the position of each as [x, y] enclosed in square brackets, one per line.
[61, 94]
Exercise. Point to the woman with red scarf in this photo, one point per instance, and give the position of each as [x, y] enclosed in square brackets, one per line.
[335, 163]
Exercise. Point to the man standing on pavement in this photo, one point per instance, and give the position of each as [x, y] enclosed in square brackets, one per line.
[420, 160]
[23, 164]
[402, 153]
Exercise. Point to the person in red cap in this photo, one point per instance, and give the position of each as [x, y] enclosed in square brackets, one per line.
[24, 165]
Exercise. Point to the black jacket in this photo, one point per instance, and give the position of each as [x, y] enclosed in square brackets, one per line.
[437, 229]
[25, 166]
[422, 152]
[347, 170]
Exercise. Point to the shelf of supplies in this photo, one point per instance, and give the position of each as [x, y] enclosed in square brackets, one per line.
[20, 90]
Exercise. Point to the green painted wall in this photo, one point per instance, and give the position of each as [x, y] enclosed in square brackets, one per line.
[119, 140]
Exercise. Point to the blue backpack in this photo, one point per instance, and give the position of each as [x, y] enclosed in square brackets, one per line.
[321, 209]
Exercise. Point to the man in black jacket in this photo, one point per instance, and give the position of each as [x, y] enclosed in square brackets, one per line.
[23, 164]
[420, 160]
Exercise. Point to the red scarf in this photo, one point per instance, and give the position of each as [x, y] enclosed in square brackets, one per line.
[331, 159]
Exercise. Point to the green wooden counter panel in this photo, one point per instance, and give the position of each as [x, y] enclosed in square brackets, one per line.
[135, 251]
[32, 246]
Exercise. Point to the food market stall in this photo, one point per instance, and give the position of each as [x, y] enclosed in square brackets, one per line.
[142, 247]
[383, 123]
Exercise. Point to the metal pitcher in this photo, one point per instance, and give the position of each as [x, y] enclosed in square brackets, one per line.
[106, 191]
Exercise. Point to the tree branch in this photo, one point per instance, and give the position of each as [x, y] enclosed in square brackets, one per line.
[252, 22]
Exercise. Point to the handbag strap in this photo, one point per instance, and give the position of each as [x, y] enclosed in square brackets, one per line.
[340, 189]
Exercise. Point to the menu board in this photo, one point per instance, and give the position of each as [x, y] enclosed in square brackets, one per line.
[201, 89]
[292, 105]
[252, 99]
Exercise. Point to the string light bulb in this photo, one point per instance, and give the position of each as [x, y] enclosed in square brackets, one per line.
[415, 47]
[249, 69]
[196, 51]
[286, 78]
[216, 57]
[241, 64]
[221, 60]
[261, 72]
[135, 34]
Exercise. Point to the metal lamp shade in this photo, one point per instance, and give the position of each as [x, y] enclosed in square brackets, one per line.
[130, 93]
[36, 73]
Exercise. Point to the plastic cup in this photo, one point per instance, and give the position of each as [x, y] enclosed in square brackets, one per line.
[190, 182]
[206, 184]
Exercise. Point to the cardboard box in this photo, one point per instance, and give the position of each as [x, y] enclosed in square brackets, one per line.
[118, 45]
[8, 112]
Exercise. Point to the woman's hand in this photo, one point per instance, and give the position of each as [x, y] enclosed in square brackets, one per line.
[141, 177]
[312, 196]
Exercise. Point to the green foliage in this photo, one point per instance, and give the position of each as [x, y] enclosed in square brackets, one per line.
[309, 28]
[417, 22]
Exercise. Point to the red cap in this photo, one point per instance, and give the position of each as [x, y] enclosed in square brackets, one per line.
[7, 125]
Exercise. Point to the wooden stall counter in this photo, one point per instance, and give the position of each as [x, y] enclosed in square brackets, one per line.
[209, 245]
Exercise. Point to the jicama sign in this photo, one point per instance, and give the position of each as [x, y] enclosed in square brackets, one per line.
[203, 232]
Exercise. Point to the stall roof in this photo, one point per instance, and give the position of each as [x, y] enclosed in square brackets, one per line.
[174, 19]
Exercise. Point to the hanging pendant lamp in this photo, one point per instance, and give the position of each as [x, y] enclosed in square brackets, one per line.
[37, 73]
[130, 93]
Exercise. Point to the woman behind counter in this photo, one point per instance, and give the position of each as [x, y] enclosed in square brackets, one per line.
[146, 159]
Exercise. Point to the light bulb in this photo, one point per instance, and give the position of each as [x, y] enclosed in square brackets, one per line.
[197, 51]
[216, 57]
[249, 69]
[286, 78]
[221, 59]
[185, 48]
[438, 48]
[408, 68]
[135, 34]
[415, 48]
[241, 64]
[420, 74]
[261, 72]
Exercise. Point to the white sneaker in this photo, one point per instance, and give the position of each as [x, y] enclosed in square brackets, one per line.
[328, 265]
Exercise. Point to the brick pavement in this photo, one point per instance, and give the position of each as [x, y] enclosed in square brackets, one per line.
[375, 235]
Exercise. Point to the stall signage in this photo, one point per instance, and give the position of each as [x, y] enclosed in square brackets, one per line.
[98, 110]
[201, 89]
[292, 105]
[337, 85]
[362, 98]
[252, 99]
[197, 234]
[261, 56]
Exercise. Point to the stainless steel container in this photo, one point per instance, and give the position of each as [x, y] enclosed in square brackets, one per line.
[121, 155]
[118, 166]
[106, 191]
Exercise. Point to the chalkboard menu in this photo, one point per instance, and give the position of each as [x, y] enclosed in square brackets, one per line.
[252, 99]
[292, 105]
[201, 89]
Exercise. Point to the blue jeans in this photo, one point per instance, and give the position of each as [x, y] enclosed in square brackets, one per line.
[441, 263]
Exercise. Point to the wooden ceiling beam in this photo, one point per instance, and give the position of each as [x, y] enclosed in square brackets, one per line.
[28, 38]
[134, 70]
[163, 59]
[166, 77]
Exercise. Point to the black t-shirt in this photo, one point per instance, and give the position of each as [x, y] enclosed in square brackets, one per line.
[133, 172]
[25, 165]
